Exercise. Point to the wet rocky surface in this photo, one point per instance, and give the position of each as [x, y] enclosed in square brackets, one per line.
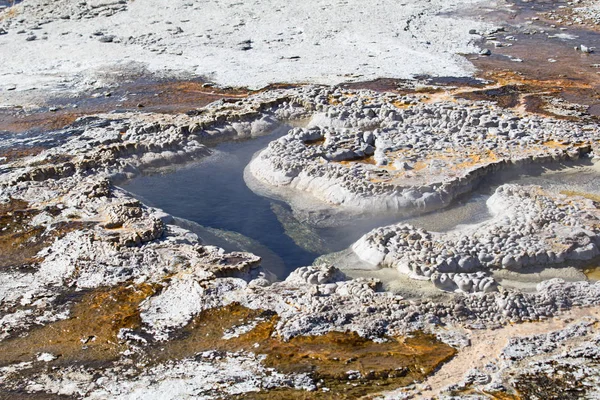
[104, 296]
[122, 294]
[525, 232]
[402, 153]
[542, 56]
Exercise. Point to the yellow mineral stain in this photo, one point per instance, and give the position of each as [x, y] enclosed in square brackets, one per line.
[9, 13]
[590, 196]
[555, 145]
[367, 160]
[89, 334]
[476, 160]
[503, 396]
[593, 274]
[333, 101]
[401, 105]
[488, 395]
[419, 165]
[395, 362]
[20, 241]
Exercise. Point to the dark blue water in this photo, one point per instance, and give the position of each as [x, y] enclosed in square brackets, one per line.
[9, 3]
[213, 193]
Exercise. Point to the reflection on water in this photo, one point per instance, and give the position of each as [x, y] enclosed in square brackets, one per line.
[8, 3]
[213, 194]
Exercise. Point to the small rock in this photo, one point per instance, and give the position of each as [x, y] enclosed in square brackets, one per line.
[245, 45]
[46, 357]
[106, 38]
[585, 49]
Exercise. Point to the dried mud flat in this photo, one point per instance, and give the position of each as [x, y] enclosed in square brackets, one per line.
[102, 296]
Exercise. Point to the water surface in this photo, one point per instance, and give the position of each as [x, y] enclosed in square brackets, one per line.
[212, 193]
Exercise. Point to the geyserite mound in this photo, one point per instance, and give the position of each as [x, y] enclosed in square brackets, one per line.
[370, 152]
[530, 228]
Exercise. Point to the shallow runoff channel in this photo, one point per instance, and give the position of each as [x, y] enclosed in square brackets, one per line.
[210, 198]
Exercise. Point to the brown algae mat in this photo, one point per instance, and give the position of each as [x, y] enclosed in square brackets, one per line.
[347, 365]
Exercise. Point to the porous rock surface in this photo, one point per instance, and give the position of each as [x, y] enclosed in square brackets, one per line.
[558, 364]
[529, 228]
[369, 152]
[119, 145]
[118, 241]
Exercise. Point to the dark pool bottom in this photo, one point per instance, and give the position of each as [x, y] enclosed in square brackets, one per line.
[212, 193]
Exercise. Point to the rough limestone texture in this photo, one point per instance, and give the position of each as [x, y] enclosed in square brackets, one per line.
[529, 228]
[368, 152]
[582, 12]
[558, 364]
[117, 240]
[98, 236]
[209, 375]
[119, 146]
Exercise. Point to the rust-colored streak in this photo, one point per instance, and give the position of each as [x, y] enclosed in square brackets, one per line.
[13, 154]
[16, 121]
[536, 83]
[179, 96]
[89, 335]
[20, 241]
[386, 365]
[171, 97]
[505, 96]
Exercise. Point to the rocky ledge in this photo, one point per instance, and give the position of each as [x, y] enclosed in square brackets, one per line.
[371, 152]
[529, 228]
[103, 297]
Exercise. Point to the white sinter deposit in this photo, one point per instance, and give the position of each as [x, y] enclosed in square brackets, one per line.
[93, 236]
[72, 44]
[530, 228]
[369, 152]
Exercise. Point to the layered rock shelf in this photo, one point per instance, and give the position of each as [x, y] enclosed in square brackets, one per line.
[124, 303]
[368, 152]
[529, 228]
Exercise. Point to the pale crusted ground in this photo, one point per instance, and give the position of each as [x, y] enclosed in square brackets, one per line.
[239, 44]
[253, 43]
[488, 344]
